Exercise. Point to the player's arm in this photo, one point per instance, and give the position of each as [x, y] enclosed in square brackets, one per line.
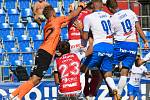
[142, 35]
[86, 28]
[90, 43]
[77, 11]
[34, 9]
[79, 26]
[65, 24]
[139, 29]
[144, 60]
[56, 75]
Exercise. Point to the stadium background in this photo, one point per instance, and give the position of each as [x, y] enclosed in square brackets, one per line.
[20, 37]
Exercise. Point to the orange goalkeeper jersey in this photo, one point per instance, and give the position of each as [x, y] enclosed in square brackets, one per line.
[52, 31]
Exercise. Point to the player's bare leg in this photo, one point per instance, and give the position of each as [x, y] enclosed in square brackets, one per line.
[131, 97]
[23, 89]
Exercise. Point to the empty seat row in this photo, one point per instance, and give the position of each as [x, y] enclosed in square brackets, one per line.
[15, 16]
[21, 46]
[18, 29]
[22, 4]
[17, 59]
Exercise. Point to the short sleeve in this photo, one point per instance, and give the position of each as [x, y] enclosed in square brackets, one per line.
[86, 23]
[134, 16]
[63, 19]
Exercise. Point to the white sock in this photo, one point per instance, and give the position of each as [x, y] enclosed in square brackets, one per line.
[92, 98]
[82, 81]
[111, 83]
[121, 84]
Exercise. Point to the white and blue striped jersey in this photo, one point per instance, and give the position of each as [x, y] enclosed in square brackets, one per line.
[123, 25]
[99, 23]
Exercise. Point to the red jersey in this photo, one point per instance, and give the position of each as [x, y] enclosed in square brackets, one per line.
[73, 32]
[68, 67]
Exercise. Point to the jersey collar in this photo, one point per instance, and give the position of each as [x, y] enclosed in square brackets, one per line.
[97, 10]
[117, 10]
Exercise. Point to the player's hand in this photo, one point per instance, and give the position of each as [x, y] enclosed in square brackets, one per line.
[146, 46]
[78, 24]
[71, 7]
[82, 4]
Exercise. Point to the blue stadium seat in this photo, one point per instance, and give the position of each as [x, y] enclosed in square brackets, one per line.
[13, 57]
[147, 34]
[28, 68]
[13, 15]
[10, 4]
[32, 29]
[8, 45]
[33, 1]
[27, 58]
[2, 16]
[39, 37]
[148, 66]
[1, 1]
[6, 71]
[42, 25]
[49, 71]
[53, 3]
[26, 13]
[18, 29]
[23, 45]
[24, 4]
[37, 44]
[66, 4]
[64, 33]
[1, 57]
[4, 30]
[144, 52]
[1, 47]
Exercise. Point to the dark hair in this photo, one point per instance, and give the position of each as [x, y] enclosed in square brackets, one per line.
[112, 4]
[48, 11]
[89, 5]
[136, 60]
[64, 47]
[96, 0]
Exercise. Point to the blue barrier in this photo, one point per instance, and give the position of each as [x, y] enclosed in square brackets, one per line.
[47, 90]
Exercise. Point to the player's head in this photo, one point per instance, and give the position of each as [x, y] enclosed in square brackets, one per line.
[97, 4]
[48, 12]
[112, 5]
[41, 0]
[137, 60]
[89, 6]
[64, 47]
